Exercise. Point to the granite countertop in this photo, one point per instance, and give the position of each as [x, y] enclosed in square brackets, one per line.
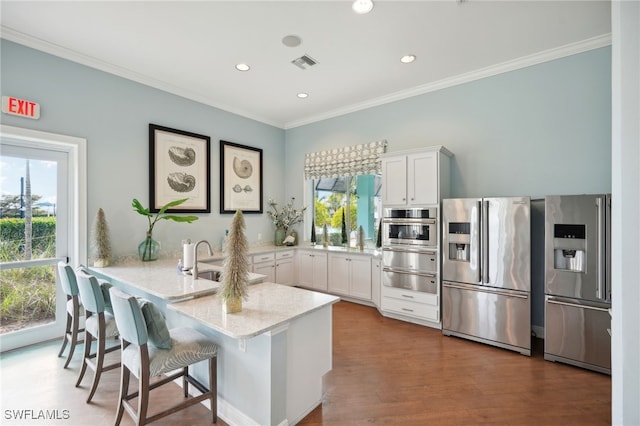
[269, 305]
[161, 279]
[305, 246]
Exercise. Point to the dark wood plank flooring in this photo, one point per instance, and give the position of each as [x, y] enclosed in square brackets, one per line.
[385, 372]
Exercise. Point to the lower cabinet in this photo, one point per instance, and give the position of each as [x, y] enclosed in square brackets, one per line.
[416, 304]
[285, 271]
[376, 280]
[350, 275]
[265, 264]
[277, 266]
[312, 270]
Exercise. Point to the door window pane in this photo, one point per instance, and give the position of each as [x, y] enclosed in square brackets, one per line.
[27, 232]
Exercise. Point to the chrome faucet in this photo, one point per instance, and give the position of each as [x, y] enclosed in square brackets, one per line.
[194, 270]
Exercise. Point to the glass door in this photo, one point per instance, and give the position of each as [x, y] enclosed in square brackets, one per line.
[35, 233]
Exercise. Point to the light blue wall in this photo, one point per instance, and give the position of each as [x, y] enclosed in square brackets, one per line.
[541, 130]
[113, 114]
[545, 129]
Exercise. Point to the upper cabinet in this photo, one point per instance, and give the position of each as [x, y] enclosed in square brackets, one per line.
[415, 178]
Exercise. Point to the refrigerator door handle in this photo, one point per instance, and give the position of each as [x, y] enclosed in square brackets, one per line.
[485, 241]
[486, 290]
[600, 249]
[576, 305]
[476, 250]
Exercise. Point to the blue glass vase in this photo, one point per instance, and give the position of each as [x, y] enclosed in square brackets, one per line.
[279, 237]
[148, 249]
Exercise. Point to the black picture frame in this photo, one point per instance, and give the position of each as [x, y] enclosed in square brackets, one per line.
[179, 167]
[240, 178]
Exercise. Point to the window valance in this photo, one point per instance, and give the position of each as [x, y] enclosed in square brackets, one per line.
[361, 159]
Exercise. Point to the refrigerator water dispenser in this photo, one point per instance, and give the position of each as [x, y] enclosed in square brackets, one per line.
[569, 245]
[459, 241]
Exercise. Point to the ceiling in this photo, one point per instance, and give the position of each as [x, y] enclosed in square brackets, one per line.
[191, 48]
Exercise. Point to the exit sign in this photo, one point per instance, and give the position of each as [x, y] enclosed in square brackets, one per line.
[21, 107]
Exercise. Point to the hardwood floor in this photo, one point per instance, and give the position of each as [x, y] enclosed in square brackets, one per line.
[385, 372]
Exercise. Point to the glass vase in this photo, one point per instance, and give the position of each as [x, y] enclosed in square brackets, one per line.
[148, 249]
[279, 237]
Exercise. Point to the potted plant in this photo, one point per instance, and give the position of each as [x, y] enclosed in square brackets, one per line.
[235, 275]
[148, 249]
[100, 241]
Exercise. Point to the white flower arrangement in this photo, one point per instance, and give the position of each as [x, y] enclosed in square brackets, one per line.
[287, 216]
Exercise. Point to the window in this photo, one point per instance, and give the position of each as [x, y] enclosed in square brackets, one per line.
[345, 182]
[357, 195]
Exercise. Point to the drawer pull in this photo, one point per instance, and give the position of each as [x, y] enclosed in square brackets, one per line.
[408, 310]
[407, 296]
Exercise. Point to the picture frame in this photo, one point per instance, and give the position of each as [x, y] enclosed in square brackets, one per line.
[240, 178]
[179, 167]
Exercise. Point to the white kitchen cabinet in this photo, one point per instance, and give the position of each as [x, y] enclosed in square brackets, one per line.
[350, 275]
[394, 180]
[284, 269]
[266, 267]
[422, 307]
[415, 178]
[312, 269]
[376, 280]
[277, 266]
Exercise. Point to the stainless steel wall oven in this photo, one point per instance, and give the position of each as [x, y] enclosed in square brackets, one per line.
[410, 227]
[410, 249]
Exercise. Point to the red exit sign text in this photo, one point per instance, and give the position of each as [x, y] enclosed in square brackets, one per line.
[21, 107]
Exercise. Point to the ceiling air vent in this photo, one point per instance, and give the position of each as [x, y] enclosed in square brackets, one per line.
[304, 61]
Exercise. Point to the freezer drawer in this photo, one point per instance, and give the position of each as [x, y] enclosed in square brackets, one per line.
[576, 334]
[496, 317]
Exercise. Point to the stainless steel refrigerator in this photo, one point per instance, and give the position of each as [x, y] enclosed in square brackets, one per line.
[578, 281]
[486, 270]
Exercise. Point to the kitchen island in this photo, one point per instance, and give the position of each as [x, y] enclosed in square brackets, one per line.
[272, 355]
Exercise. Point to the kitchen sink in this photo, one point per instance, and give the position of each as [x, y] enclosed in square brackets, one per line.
[210, 275]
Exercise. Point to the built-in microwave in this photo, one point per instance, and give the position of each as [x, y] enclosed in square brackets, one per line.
[410, 226]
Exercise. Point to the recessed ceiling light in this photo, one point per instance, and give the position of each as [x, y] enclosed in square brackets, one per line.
[362, 6]
[407, 59]
[243, 67]
[291, 40]
[303, 95]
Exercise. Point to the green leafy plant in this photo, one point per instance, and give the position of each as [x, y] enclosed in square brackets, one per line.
[161, 214]
[147, 252]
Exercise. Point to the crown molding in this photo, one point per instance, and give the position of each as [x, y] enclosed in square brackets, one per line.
[62, 52]
[516, 64]
[523, 62]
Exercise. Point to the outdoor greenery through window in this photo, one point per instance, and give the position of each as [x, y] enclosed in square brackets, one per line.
[27, 232]
[357, 199]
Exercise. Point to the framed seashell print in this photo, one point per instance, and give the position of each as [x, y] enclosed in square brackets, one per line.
[240, 178]
[179, 167]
